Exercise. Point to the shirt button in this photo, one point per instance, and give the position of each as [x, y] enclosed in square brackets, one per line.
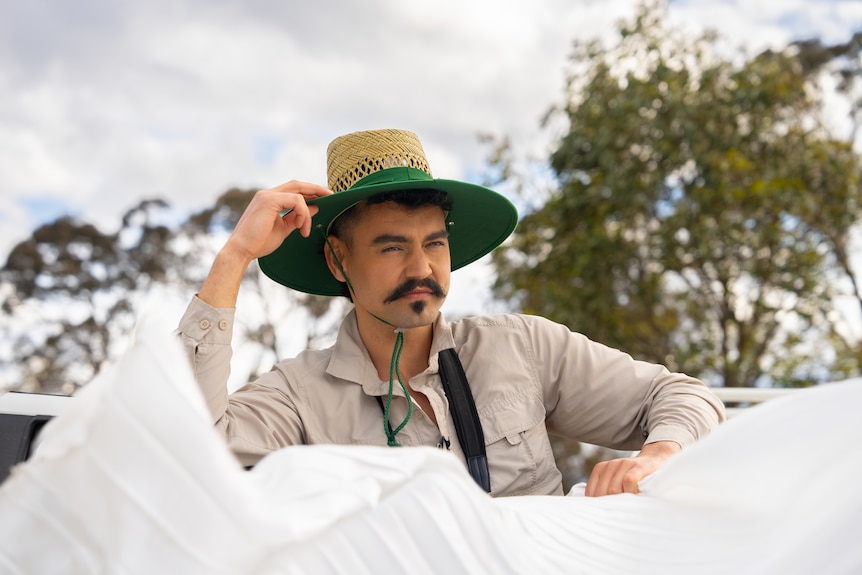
[222, 325]
[204, 324]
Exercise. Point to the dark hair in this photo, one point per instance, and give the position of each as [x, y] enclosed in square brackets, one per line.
[410, 199]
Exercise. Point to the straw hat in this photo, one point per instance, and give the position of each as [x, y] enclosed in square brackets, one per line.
[364, 164]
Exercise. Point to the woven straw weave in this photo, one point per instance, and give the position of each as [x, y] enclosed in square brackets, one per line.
[354, 156]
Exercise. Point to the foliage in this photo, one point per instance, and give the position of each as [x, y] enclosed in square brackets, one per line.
[75, 279]
[71, 292]
[701, 209]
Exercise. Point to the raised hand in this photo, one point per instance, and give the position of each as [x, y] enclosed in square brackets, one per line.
[270, 217]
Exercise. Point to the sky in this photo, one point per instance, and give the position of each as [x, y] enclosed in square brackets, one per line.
[107, 102]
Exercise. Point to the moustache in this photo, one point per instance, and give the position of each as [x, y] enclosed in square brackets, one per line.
[410, 285]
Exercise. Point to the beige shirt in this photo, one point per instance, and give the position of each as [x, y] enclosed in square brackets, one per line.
[529, 376]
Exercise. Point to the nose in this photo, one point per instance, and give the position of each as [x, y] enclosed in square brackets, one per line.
[418, 265]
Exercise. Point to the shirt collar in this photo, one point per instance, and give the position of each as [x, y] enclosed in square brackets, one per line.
[350, 360]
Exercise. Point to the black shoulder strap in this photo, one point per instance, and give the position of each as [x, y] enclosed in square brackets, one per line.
[467, 424]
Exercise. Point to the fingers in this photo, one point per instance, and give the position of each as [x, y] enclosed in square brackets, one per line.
[299, 216]
[305, 189]
[614, 477]
[291, 210]
[302, 217]
[273, 214]
[623, 475]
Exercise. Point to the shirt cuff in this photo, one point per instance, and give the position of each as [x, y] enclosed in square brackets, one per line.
[671, 433]
[204, 323]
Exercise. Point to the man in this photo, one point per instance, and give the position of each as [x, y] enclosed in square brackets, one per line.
[389, 238]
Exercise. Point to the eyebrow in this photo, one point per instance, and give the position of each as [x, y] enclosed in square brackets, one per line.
[397, 239]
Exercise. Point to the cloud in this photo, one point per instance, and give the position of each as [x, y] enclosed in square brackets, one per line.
[104, 103]
[772, 23]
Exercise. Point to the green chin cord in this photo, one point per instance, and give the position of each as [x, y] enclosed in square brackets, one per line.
[394, 371]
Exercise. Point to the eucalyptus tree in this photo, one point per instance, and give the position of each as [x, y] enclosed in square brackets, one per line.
[699, 211]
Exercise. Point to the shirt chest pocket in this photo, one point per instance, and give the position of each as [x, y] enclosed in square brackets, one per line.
[520, 459]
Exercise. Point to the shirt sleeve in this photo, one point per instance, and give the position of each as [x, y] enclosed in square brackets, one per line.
[600, 395]
[206, 333]
[258, 418]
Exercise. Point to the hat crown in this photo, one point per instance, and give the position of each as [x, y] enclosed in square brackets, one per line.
[351, 157]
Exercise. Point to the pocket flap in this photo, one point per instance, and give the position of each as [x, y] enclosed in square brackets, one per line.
[509, 416]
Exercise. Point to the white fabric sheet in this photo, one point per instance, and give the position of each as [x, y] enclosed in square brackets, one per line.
[132, 479]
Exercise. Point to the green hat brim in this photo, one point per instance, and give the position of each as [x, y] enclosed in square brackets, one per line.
[481, 219]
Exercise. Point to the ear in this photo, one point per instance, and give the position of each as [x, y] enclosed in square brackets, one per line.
[340, 250]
